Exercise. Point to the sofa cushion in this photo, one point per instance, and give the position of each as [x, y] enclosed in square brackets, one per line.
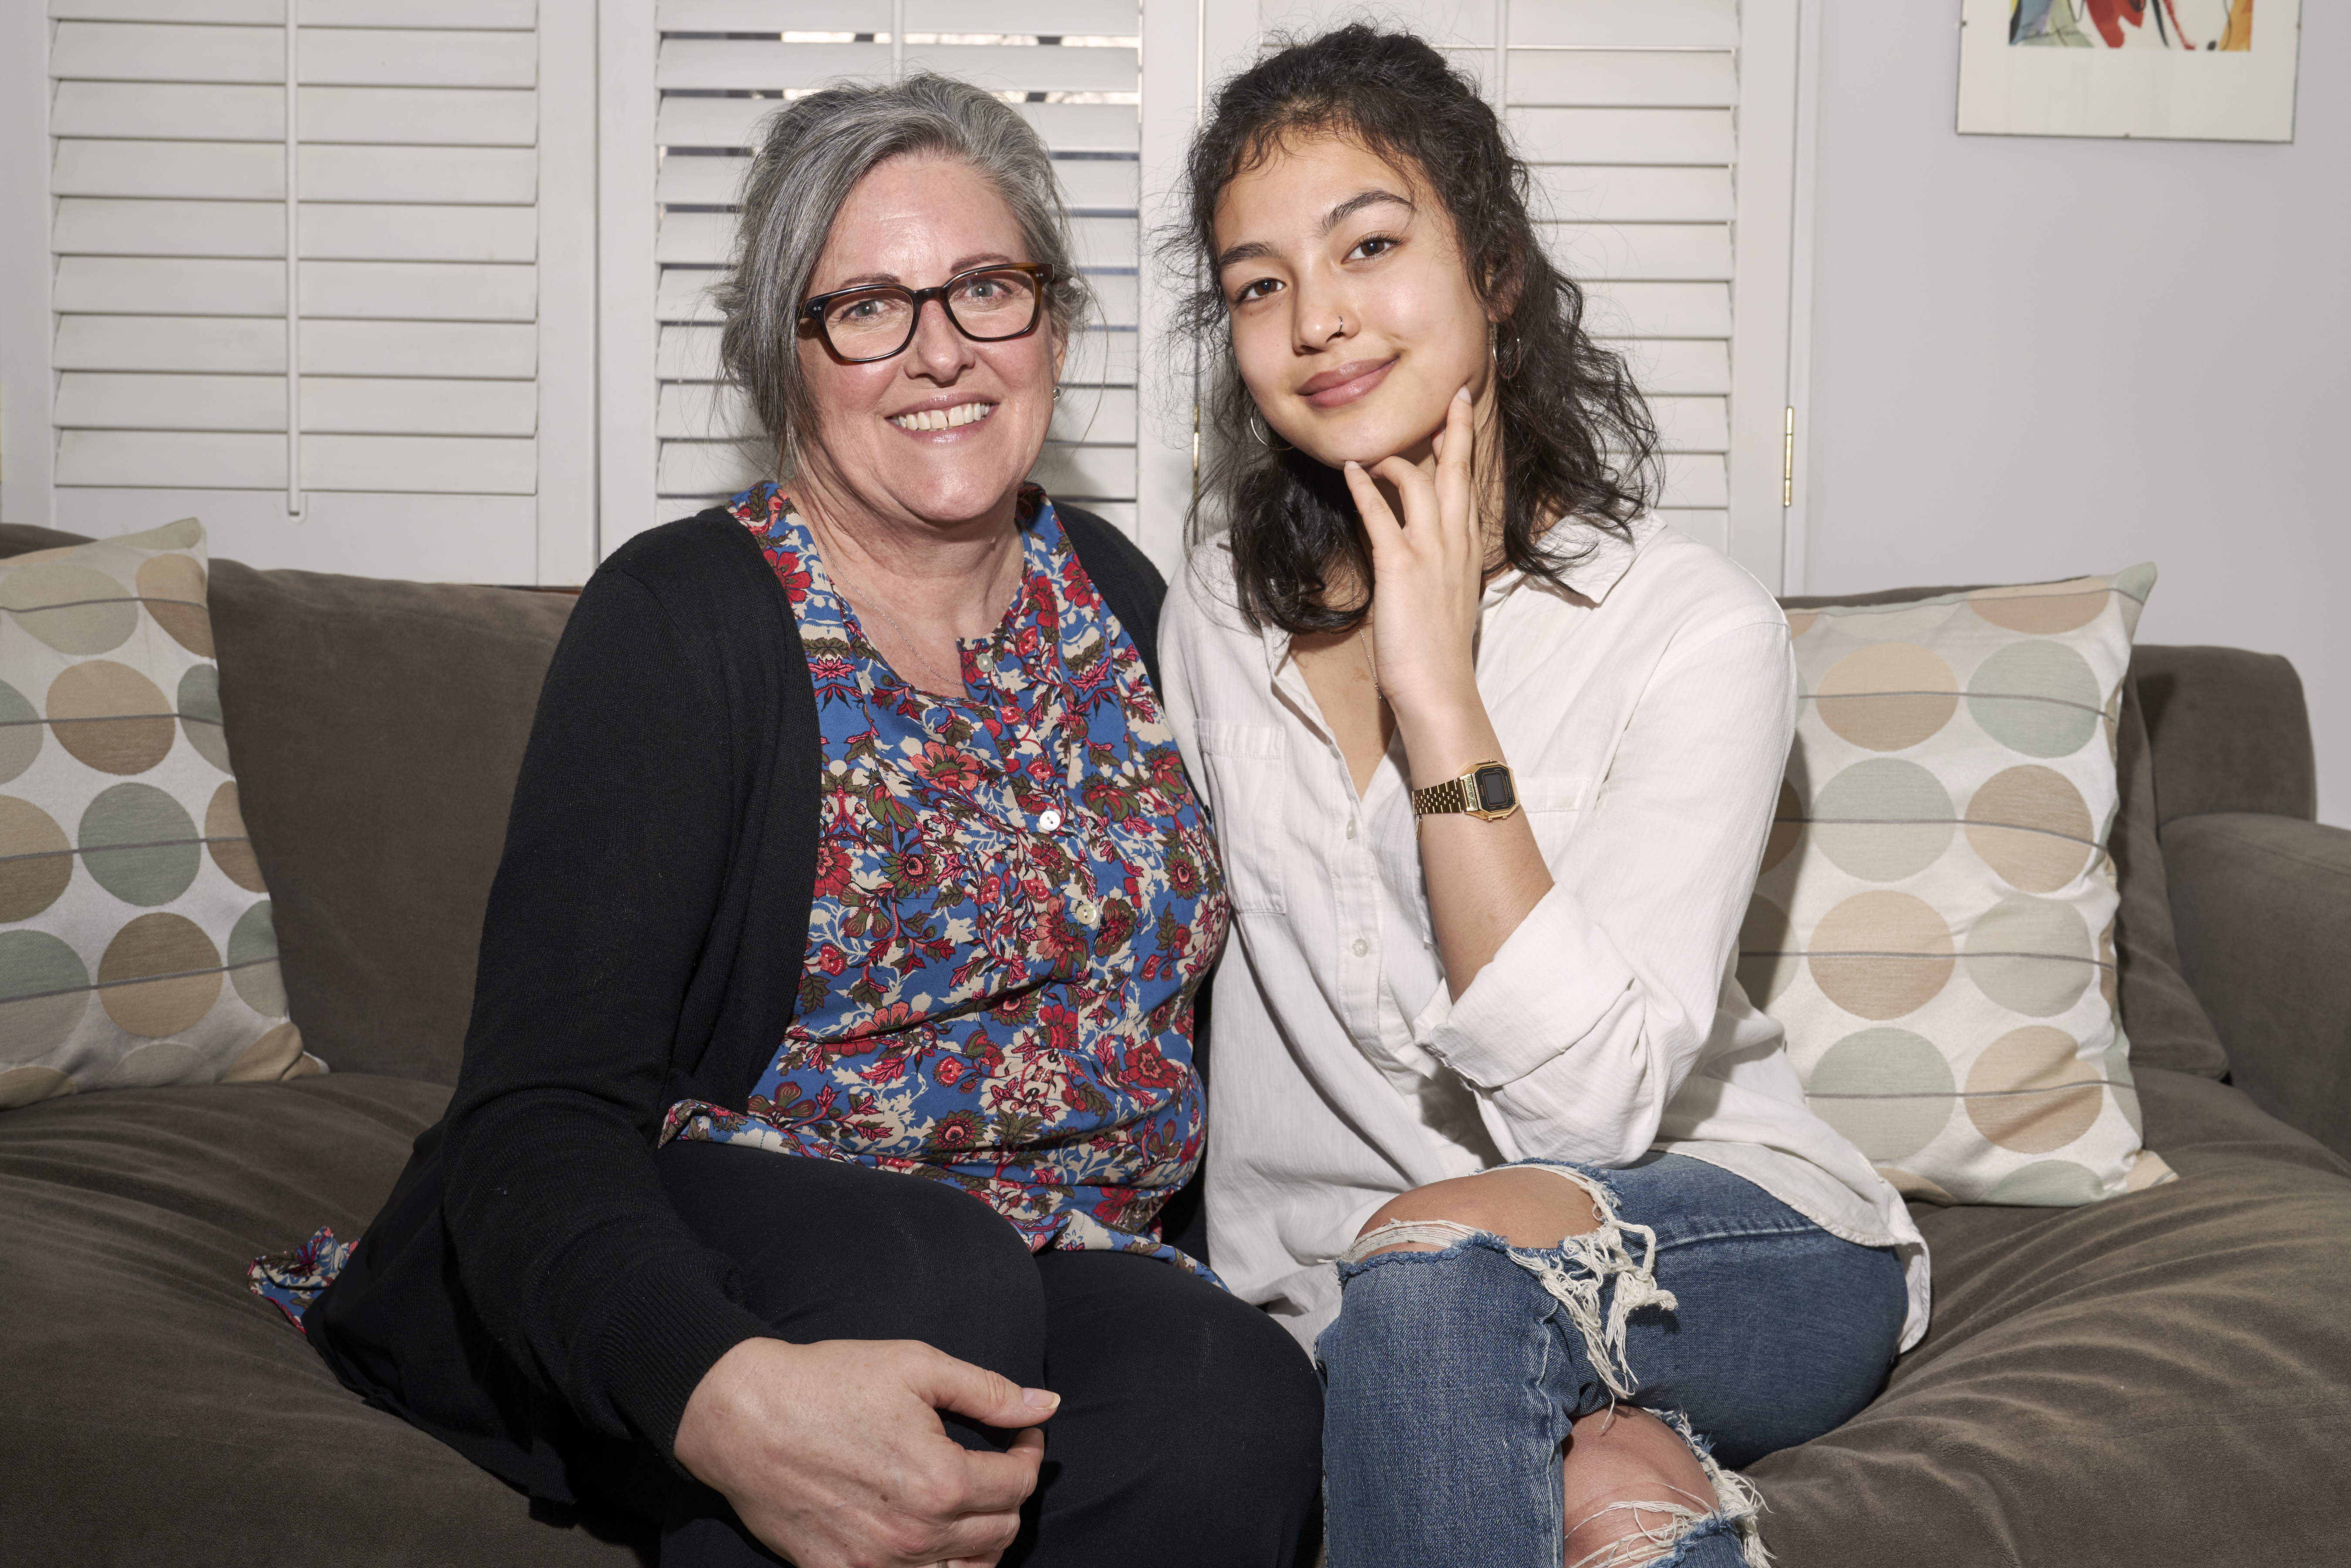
[158, 1412]
[378, 728]
[137, 947]
[2167, 1021]
[1934, 918]
[2155, 1379]
[2126, 1383]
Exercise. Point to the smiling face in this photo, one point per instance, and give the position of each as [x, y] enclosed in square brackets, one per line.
[1354, 318]
[942, 433]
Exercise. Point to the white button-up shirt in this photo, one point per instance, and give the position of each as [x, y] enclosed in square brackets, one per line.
[1646, 712]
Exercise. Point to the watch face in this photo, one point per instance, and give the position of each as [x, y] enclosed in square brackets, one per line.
[1494, 791]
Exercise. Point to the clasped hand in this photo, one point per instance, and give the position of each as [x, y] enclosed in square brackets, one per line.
[832, 1454]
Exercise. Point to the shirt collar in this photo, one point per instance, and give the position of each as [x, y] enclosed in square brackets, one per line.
[1591, 560]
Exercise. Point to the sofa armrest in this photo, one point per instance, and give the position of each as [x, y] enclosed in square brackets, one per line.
[2262, 906]
[2229, 731]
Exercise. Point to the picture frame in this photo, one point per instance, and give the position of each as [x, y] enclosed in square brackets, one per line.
[2207, 70]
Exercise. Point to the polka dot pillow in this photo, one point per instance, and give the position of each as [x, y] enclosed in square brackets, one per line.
[135, 943]
[1934, 921]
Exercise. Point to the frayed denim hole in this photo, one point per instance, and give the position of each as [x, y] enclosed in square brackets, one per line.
[1738, 1505]
[1578, 1273]
[1599, 1176]
[1563, 1339]
[1484, 1239]
[1677, 1536]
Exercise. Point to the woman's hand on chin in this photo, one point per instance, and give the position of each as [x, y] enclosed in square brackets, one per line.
[832, 1453]
[1428, 572]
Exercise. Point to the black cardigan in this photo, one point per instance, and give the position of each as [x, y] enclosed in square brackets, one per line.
[527, 1294]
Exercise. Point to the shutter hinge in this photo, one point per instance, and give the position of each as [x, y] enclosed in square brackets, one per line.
[1788, 460]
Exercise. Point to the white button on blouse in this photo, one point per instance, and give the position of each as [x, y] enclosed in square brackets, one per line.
[1647, 710]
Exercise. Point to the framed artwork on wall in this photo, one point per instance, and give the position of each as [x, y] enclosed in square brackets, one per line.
[2202, 71]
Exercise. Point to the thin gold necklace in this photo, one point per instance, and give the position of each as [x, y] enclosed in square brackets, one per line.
[1363, 640]
[917, 649]
[912, 646]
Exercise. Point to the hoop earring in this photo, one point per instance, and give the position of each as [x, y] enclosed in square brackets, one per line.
[1494, 356]
[1262, 428]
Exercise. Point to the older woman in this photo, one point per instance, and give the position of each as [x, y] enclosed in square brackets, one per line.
[830, 1055]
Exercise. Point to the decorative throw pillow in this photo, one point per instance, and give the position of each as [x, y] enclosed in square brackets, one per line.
[1934, 921]
[135, 941]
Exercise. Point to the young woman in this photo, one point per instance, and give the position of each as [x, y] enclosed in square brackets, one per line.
[1492, 755]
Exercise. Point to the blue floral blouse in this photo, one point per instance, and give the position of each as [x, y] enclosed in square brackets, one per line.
[1016, 898]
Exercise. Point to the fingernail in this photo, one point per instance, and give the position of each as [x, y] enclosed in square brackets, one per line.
[1351, 463]
[1463, 395]
[1040, 1399]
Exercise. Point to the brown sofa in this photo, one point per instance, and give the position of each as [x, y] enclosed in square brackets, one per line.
[2161, 1379]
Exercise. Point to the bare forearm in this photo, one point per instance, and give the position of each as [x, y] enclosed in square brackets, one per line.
[1482, 877]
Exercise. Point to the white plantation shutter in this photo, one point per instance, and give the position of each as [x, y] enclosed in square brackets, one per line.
[425, 443]
[1662, 131]
[1628, 114]
[510, 215]
[686, 82]
[1661, 135]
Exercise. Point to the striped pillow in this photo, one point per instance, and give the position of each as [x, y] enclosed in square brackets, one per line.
[135, 942]
[1934, 921]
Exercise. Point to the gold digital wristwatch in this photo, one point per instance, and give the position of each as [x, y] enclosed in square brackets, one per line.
[1489, 791]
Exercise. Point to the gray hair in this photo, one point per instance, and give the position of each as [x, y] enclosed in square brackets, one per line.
[812, 154]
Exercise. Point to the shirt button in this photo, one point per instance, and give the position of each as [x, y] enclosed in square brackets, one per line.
[1050, 822]
[1363, 948]
[1351, 826]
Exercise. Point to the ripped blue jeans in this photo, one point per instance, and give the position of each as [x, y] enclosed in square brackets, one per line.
[1450, 1378]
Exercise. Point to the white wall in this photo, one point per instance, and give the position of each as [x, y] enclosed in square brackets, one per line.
[2035, 357]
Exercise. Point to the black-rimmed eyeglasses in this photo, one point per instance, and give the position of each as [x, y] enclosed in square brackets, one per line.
[987, 305]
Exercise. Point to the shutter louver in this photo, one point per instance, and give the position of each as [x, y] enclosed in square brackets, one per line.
[1627, 113]
[724, 65]
[417, 279]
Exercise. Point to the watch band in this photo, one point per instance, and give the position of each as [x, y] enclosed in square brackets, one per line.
[1460, 797]
[1444, 800]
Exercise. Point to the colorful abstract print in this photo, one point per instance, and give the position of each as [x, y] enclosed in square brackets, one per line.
[1016, 898]
[2179, 25]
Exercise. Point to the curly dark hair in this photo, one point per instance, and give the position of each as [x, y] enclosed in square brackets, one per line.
[1576, 437]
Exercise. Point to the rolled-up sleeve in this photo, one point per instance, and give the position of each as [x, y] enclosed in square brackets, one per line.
[1594, 1011]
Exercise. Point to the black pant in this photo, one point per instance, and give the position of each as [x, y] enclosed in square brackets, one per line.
[1190, 1427]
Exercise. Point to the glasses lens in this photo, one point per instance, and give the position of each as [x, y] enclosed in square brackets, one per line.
[990, 305]
[871, 321]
